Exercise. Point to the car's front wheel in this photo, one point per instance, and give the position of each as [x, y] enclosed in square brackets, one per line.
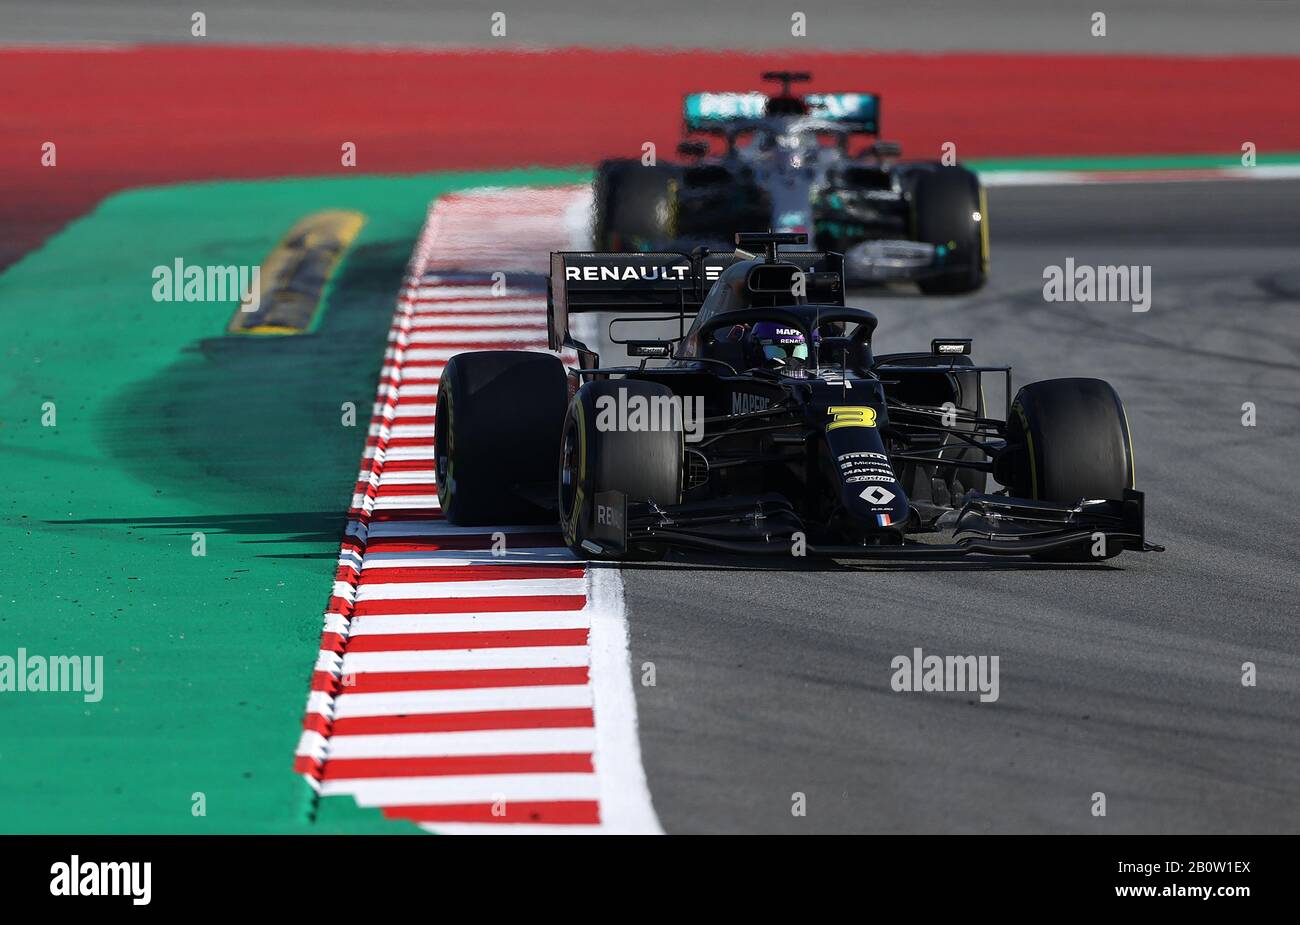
[1067, 441]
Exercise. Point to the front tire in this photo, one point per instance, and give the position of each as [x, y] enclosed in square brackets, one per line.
[1068, 441]
[645, 464]
[1073, 438]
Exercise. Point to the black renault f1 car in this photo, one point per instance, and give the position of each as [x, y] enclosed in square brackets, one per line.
[788, 164]
[773, 427]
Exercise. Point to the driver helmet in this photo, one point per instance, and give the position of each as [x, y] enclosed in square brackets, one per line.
[783, 348]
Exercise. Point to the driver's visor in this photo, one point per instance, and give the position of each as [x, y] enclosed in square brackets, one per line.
[779, 352]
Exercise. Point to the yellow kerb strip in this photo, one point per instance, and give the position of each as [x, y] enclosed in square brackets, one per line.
[294, 275]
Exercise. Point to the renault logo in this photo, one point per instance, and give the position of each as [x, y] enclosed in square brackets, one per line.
[876, 495]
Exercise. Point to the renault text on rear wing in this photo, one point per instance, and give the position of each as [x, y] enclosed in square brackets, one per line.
[649, 282]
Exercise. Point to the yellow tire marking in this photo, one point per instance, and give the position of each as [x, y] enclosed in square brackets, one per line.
[572, 532]
[1128, 444]
[984, 229]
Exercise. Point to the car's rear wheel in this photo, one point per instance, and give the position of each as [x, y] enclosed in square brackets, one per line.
[497, 436]
[1067, 441]
[597, 456]
[635, 206]
[949, 212]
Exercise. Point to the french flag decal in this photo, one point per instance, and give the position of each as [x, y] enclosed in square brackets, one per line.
[884, 520]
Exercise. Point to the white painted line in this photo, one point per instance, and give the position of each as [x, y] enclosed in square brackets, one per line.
[625, 803]
[408, 477]
[320, 702]
[470, 700]
[484, 319]
[476, 742]
[479, 788]
[551, 555]
[411, 430]
[407, 503]
[396, 625]
[311, 743]
[521, 334]
[528, 342]
[455, 294]
[441, 527]
[414, 409]
[336, 623]
[439, 590]
[465, 659]
[416, 391]
[408, 453]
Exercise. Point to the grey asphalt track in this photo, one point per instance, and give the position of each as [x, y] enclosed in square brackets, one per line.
[1122, 678]
[1168, 26]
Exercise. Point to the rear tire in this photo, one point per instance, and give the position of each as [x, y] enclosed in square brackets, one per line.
[645, 465]
[944, 202]
[497, 436]
[635, 206]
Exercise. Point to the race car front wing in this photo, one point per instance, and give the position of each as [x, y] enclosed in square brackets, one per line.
[992, 525]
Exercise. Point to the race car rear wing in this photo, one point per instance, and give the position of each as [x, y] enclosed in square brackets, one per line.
[723, 113]
[653, 283]
[644, 282]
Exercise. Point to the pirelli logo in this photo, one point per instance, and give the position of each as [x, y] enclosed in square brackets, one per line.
[851, 416]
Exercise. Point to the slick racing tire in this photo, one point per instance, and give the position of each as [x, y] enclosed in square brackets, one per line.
[945, 202]
[1068, 441]
[497, 436]
[644, 464]
[635, 206]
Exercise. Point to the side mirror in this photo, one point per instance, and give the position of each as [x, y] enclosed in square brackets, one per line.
[950, 346]
[694, 149]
